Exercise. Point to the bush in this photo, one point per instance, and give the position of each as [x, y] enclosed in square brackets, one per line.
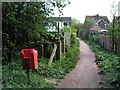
[59, 69]
[13, 76]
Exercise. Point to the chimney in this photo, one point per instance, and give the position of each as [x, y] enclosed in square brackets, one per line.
[97, 16]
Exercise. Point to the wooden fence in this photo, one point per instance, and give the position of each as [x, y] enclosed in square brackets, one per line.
[55, 48]
[104, 41]
[107, 43]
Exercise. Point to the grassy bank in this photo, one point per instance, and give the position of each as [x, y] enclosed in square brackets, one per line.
[59, 69]
[13, 76]
[109, 64]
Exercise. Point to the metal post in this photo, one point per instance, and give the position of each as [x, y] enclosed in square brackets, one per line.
[64, 43]
[59, 42]
[27, 69]
[42, 50]
[58, 31]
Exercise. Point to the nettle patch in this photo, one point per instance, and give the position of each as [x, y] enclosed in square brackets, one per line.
[13, 76]
[108, 63]
[59, 68]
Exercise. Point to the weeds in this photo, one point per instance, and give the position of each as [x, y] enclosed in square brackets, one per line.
[59, 69]
[108, 63]
[13, 76]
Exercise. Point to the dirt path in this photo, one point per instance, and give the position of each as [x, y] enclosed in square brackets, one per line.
[85, 75]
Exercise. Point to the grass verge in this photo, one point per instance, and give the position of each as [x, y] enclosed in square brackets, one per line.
[109, 63]
[13, 76]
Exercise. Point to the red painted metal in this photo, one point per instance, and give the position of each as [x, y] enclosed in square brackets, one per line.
[32, 56]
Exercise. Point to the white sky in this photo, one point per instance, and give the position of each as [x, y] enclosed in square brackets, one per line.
[80, 8]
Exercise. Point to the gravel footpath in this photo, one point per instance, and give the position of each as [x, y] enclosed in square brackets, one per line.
[85, 74]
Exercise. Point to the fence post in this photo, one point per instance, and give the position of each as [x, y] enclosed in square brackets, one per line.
[64, 44]
[58, 56]
[52, 55]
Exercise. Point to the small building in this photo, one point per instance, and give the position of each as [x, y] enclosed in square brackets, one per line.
[97, 23]
[101, 21]
[52, 23]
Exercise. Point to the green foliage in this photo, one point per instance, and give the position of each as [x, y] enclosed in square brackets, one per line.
[108, 63]
[78, 26]
[13, 76]
[114, 34]
[88, 23]
[23, 25]
[69, 30]
[59, 69]
[115, 80]
[75, 23]
[114, 30]
[73, 38]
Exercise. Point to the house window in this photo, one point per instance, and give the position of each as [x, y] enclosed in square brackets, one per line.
[65, 24]
[105, 25]
[96, 24]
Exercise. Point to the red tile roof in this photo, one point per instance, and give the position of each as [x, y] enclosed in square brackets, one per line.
[89, 16]
[96, 28]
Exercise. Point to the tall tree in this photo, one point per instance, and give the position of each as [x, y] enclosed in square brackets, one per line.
[77, 25]
[88, 23]
[114, 30]
[24, 23]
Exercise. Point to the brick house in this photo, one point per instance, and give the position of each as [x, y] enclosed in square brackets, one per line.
[101, 21]
[98, 23]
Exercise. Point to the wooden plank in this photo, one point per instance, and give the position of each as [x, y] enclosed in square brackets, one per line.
[52, 55]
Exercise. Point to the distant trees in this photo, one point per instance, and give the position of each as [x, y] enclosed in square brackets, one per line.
[24, 23]
[77, 25]
[114, 30]
[114, 33]
[88, 23]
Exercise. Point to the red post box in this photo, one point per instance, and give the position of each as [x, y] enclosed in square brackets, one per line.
[29, 57]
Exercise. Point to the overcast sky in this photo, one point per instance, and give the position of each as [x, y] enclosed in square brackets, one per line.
[80, 8]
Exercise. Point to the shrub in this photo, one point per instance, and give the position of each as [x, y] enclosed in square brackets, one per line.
[13, 76]
[108, 63]
[59, 68]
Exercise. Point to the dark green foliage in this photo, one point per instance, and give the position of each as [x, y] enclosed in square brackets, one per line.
[115, 81]
[85, 30]
[59, 69]
[114, 34]
[13, 76]
[108, 63]
[23, 25]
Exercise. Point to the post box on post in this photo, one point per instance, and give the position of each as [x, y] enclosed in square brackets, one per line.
[29, 60]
